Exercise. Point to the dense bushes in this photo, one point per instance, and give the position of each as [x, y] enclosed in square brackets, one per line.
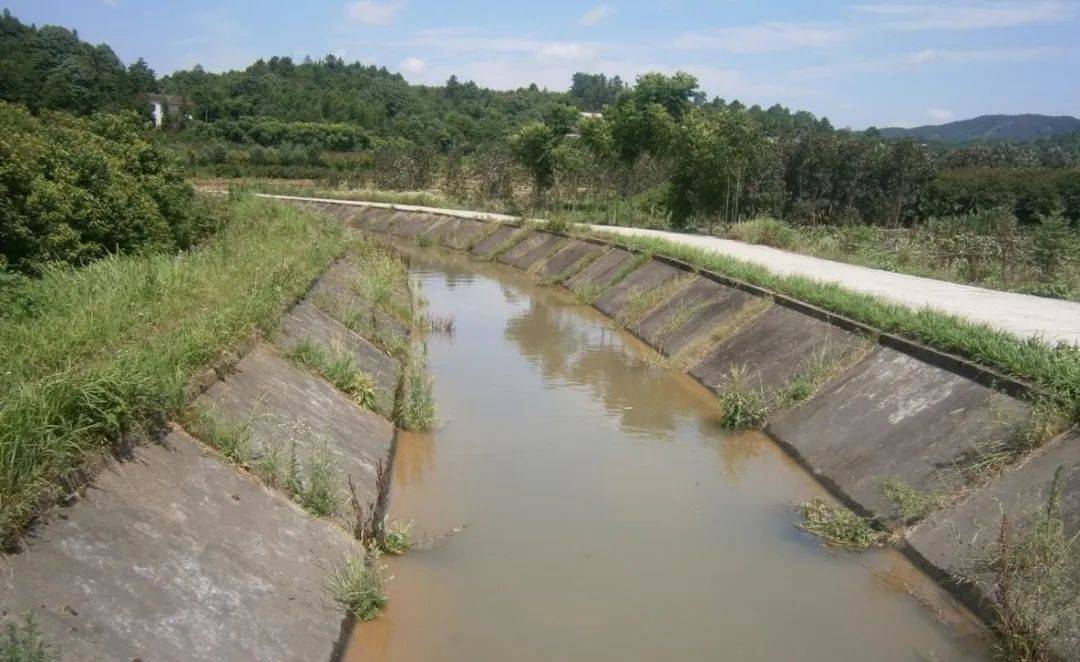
[270, 132]
[1031, 193]
[74, 190]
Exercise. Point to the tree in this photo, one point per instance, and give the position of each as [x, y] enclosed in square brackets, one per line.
[534, 145]
[713, 158]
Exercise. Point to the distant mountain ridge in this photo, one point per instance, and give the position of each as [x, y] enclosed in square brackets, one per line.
[1016, 128]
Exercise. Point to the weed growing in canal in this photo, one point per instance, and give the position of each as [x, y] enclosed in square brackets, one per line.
[741, 402]
[424, 241]
[380, 278]
[357, 584]
[905, 505]
[232, 440]
[340, 369]
[837, 525]
[20, 641]
[696, 351]
[396, 536]
[640, 302]
[511, 241]
[819, 368]
[1045, 420]
[576, 268]
[275, 465]
[443, 324]
[1029, 574]
[587, 293]
[416, 409]
[319, 489]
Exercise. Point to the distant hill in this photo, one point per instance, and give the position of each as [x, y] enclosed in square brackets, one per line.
[1016, 128]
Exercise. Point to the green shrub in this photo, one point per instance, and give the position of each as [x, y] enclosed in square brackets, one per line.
[75, 190]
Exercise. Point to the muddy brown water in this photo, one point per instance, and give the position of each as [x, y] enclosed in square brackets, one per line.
[608, 516]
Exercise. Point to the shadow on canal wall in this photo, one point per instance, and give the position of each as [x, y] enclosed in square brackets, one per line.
[853, 405]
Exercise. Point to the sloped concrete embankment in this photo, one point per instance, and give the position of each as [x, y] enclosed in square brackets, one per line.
[853, 406]
[175, 554]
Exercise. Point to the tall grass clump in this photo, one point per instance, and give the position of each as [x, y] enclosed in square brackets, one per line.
[741, 402]
[1029, 573]
[767, 231]
[100, 350]
[381, 279]
[416, 410]
[357, 584]
[20, 641]
[318, 488]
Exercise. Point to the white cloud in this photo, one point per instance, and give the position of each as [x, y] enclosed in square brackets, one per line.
[967, 14]
[763, 37]
[596, 15]
[459, 41]
[412, 65]
[929, 57]
[940, 114]
[372, 12]
[566, 51]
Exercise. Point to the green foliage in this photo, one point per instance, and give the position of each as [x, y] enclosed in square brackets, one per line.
[75, 190]
[125, 335]
[51, 68]
[357, 584]
[591, 92]
[837, 525]
[271, 132]
[20, 641]
[534, 146]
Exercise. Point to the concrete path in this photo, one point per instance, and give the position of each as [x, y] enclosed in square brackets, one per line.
[1052, 320]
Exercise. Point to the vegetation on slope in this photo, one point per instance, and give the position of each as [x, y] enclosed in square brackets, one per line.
[75, 190]
[93, 353]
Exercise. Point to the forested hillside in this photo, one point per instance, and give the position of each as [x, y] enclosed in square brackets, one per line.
[1015, 128]
[655, 152]
[50, 67]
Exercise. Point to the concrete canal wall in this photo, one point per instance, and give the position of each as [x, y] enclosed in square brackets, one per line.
[173, 553]
[880, 406]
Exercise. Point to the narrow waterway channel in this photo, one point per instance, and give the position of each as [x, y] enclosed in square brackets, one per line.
[606, 514]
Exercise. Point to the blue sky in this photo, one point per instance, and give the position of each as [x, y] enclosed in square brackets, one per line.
[858, 62]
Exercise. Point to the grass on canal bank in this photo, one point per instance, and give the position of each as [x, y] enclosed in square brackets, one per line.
[91, 354]
[1054, 369]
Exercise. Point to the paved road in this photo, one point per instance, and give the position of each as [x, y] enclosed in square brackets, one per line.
[1024, 315]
